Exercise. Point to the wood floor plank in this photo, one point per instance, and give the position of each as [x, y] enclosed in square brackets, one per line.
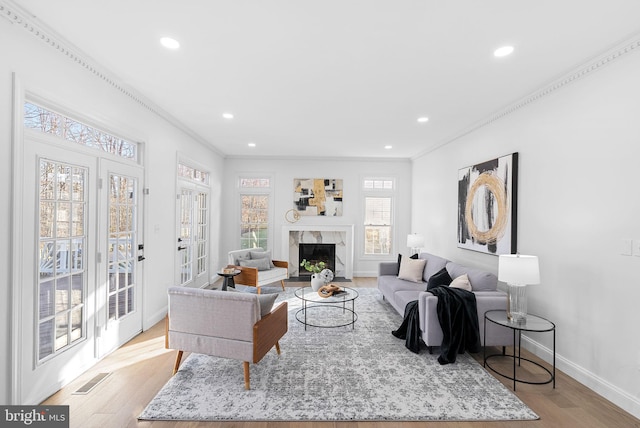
[142, 366]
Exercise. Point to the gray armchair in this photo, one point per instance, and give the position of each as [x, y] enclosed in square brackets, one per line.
[224, 324]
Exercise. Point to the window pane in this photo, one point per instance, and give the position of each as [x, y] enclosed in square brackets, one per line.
[254, 227]
[378, 211]
[377, 240]
[255, 182]
[40, 119]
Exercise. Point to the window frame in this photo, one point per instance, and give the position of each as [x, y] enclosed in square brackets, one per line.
[379, 192]
[255, 191]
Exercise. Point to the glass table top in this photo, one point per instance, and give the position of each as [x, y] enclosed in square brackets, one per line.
[531, 323]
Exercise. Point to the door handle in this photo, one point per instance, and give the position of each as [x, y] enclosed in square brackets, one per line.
[182, 248]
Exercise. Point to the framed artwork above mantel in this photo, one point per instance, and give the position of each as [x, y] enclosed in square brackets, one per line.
[487, 206]
[318, 196]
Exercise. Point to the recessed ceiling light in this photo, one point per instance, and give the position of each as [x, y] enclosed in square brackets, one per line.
[423, 119]
[251, 144]
[227, 116]
[169, 43]
[388, 147]
[503, 51]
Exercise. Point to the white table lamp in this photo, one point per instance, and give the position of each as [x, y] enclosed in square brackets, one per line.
[517, 271]
[415, 242]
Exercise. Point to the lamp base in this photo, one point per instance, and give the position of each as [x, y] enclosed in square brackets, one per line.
[517, 302]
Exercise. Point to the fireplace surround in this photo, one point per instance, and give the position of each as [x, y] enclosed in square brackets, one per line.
[340, 235]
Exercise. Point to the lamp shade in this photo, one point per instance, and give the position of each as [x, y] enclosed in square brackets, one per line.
[415, 241]
[518, 269]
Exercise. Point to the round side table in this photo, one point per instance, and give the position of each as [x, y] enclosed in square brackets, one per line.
[531, 323]
[228, 279]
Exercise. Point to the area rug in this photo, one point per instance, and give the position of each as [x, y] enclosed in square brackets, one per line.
[362, 373]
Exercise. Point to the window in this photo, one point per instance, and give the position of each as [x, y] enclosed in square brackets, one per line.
[121, 252]
[61, 287]
[378, 217]
[49, 122]
[193, 174]
[255, 195]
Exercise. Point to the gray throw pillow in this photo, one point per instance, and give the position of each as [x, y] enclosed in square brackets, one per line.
[266, 302]
[255, 255]
[261, 264]
[241, 257]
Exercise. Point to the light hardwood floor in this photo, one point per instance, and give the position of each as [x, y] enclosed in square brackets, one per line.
[142, 366]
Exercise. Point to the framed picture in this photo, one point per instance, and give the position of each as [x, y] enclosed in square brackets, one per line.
[487, 202]
[317, 196]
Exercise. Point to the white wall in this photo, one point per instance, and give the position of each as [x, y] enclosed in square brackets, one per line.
[577, 199]
[46, 72]
[284, 171]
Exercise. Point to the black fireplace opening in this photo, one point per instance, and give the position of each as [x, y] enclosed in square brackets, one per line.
[315, 253]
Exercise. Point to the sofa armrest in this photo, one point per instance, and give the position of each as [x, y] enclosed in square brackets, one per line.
[280, 263]
[247, 275]
[388, 268]
[428, 310]
[269, 330]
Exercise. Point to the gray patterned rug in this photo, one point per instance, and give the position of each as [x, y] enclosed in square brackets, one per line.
[337, 374]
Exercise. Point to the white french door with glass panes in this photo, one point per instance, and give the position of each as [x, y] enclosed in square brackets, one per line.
[192, 246]
[58, 270]
[119, 293]
[78, 291]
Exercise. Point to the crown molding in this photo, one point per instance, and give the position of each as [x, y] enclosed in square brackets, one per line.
[24, 19]
[613, 54]
[318, 158]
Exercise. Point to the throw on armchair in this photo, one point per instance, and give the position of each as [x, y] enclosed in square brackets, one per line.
[225, 324]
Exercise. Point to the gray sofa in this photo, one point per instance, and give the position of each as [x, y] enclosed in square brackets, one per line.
[399, 292]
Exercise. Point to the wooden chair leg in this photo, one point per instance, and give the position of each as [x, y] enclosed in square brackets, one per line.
[246, 375]
[282, 284]
[278, 347]
[177, 364]
[259, 289]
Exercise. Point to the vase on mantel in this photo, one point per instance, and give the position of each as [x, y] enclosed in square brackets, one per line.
[316, 281]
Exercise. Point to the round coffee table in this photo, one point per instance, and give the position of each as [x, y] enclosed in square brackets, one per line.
[312, 301]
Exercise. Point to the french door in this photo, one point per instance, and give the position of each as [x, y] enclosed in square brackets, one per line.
[80, 282]
[192, 246]
[119, 291]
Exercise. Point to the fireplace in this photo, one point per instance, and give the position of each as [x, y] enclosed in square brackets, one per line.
[341, 236]
[315, 253]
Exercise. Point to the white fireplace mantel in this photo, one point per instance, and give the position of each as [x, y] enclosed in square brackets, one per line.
[341, 235]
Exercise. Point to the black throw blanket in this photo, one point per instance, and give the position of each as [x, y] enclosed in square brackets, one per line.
[458, 316]
[410, 327]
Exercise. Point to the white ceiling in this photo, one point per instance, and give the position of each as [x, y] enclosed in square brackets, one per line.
[337, 77]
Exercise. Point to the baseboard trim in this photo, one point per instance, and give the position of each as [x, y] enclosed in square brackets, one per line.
[592, 381]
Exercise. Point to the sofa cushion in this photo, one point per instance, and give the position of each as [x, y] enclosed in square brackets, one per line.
[434, 264]
[411, 269]
[439, 278]
[480, 280]
[461, 282]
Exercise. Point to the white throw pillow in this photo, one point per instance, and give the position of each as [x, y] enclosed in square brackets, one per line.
[461, 282]
[411, 269]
